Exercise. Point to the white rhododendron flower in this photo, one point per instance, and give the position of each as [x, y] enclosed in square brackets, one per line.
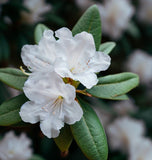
[141, 150]
[124, 107]
[124, 132]
[73, 57]
[14, 147]
[36, 9]
[52, 102]
[115, 17]
[80, 59]
[145, 11]
[141, 63]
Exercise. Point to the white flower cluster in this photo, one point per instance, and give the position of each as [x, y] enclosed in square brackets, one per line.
[127, 134]
[115, 17]
[145, 11]
[141, 63]
[52, 102]
[124, 133]
[36, 9]
[15, 148]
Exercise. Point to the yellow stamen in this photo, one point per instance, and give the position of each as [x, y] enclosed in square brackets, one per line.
[72, 69]
[24, 72]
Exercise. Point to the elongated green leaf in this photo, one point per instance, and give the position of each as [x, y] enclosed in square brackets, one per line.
[91, 23]
[38, 33]
[89, 134]
[36, 157]
[13, 77]
[9, 110]
[114, 86]
[64, 140]
[107, 47]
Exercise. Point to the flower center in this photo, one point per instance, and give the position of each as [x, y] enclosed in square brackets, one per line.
[72, 69]
[53, 107]
[56, 106]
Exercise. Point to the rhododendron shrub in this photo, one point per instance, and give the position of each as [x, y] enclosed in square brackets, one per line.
[60, 71]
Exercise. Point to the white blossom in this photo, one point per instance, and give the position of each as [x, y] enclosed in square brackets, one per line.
[14, 147]
[41, 57]
[115, 17]
[141, 150]
[36, 9]
[73, 57]
[145, 11]
[141, 63]
[52, 102]
[80, 59]
[124, 132]
[84, 4]
[124, 107]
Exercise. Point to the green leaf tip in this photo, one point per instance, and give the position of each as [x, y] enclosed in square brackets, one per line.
[38, 33]
[107, 47]
[90, 22]
[115, 86]
[13, 77]
[64, 140]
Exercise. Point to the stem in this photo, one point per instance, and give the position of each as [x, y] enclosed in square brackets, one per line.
[83, 92]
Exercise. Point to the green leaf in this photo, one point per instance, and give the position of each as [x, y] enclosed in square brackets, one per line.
[89, 134]
[38, 33]
[36, 157]
[13, 77]
[114, 86]
[64, 140]
[9, 110]
[122, 97]
[91, 23]
[107, 47]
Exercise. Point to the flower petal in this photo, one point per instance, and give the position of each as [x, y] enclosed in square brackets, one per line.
[51, 126]
[39, 89]
[87, 79]
[30, 57]
[63, 33]
[41, 56]
[100, 62]
[61, 68]
[70, 93]
[31, 112]
[72, 112]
